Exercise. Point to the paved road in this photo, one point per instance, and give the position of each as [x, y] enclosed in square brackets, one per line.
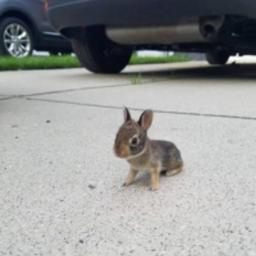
[60, 191]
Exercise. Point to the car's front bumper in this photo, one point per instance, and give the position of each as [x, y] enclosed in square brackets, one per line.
[70, 13]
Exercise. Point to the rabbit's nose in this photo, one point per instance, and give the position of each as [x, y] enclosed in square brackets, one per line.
[122, 152]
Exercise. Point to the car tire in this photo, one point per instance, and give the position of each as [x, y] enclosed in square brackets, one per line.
[98, 54]
[24, 44]
[217, 57]
[54, 53]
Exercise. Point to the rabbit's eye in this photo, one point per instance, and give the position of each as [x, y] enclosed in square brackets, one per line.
[134, 141]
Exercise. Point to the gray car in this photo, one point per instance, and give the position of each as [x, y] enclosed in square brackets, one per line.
[24, 27]
[104, 33]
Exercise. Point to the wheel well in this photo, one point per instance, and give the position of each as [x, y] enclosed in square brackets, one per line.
[23, 17]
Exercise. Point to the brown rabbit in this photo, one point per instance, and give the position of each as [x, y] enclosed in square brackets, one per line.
[142, 153]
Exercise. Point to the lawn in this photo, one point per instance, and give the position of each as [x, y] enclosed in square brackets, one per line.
[57, 62]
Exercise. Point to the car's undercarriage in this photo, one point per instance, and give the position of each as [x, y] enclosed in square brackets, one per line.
[235, 34]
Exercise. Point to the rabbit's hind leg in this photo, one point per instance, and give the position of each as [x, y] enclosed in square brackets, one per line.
[173, 172]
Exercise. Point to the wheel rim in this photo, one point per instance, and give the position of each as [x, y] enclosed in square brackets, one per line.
[17, 40]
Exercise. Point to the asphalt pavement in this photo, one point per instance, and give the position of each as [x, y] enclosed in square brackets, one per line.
[60, 190]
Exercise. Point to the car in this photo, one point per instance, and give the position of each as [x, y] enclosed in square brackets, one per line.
[25, 26]
[104, 33]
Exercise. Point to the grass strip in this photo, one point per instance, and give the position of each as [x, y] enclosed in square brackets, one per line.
[68, 61]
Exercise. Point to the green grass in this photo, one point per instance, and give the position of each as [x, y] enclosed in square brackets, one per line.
[60, 62]
[136, 79]
[135, 60]
[46, 62]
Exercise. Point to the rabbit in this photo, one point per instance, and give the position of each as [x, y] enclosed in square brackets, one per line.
[142, 153]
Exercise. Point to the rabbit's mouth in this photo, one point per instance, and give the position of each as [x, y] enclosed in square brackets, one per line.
[122, 152]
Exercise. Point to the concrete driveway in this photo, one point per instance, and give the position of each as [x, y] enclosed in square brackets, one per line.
[60, 191]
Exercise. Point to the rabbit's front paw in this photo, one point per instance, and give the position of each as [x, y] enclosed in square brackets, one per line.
[154, 188]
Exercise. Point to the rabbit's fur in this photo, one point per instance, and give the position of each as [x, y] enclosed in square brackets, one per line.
[142, 153]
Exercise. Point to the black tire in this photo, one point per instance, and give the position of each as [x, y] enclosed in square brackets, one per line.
[54, 53]
[4, 23]
[217, 57]
[98, 54]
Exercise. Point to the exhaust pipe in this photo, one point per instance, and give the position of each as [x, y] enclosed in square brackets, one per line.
[192, 31]
[211, 26]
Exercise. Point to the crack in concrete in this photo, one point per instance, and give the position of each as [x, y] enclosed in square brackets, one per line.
[75, 90]
[183, 113]
[81, 89]
[8, 97]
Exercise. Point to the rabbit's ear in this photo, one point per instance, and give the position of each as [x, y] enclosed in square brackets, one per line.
[146, 119]
[127, 115]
